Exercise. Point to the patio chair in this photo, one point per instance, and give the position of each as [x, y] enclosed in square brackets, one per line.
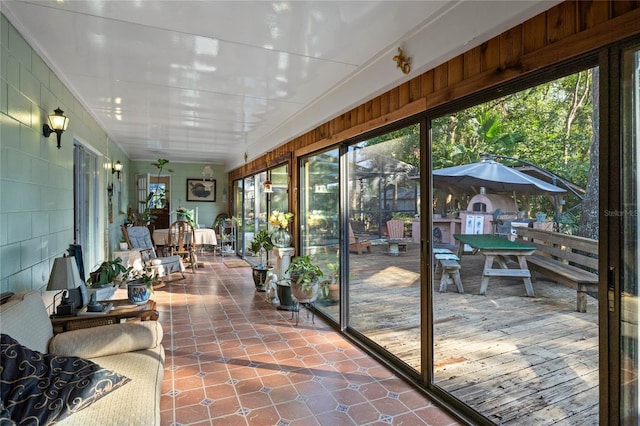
[357, 243]
[181, 240]
[395, 228]
[139, 238]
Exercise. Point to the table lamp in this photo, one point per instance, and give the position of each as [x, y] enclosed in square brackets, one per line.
[65, 277]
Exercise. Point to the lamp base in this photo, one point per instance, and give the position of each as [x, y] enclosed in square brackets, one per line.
[65, 310]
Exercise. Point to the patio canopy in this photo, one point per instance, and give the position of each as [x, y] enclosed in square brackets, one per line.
[492, 175]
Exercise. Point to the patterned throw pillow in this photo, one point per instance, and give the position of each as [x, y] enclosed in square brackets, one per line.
[39, 389]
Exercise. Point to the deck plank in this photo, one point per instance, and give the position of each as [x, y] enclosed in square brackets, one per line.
[515, 359]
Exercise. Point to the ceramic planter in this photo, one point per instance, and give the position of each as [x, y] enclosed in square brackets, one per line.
[138, 292]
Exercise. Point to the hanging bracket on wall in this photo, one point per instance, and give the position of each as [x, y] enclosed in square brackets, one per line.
[402, 62]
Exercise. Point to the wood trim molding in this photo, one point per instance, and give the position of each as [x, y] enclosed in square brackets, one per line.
[400, 114]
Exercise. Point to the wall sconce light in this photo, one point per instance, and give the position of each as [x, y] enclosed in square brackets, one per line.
[117, 168]
[402, 62]
[57, 123]
[268, 186]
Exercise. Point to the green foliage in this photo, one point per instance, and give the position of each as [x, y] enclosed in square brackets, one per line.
[106, 272]
[159, 196]
[549, 125]
[304, 272]
[261, 239]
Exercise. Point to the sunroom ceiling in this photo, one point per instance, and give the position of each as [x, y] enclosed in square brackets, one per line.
[208, 81]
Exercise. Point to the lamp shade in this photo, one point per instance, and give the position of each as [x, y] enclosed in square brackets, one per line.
[64, 274]
[58, 121]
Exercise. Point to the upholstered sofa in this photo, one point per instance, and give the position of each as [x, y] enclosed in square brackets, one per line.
[131, 350]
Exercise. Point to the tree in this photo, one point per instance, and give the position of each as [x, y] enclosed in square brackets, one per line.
[589, 226]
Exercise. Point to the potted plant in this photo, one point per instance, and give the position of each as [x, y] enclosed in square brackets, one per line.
[101, 280]
[280, 236]
[260, 246]
[106, 272]
[140, 285]
[123, 243]
[304, 275]
[331, 288]
[183, 214]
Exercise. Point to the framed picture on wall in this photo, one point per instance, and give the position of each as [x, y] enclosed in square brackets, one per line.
[201, 190]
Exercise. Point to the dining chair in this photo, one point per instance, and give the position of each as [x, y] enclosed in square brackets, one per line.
[139, 238]
[182, 242]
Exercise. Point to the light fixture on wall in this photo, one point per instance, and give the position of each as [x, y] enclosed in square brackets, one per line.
[207, 170]
[117, 168]
[268, 186]
[58, 123]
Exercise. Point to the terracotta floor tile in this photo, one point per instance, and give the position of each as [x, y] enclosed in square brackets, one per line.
[230, 420]
[334, 418]
[283, 394]
[310, 388]
[389, 406]
[264, 416]
[434, 416]
[293, 410]
[234, 359]
[364, 413]
[225, 406]
[255, 399]
[248, 386]
[219, 391]
[192, 413]
[321, 403]
[373, 391]
[408, 419]
[188, 382]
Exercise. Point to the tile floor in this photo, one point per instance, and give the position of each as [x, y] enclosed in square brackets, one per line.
[234, 359]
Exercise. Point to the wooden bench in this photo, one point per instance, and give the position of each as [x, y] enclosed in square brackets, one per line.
[450, 275]
[566, 259]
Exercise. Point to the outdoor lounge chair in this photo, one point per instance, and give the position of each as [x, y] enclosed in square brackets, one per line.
[357, 243]
[395, 228]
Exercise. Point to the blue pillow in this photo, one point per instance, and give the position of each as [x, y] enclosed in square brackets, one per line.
[39, 389]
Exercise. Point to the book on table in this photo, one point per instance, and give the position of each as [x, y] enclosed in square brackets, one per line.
[106, 308]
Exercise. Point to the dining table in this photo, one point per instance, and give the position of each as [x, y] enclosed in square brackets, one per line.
[498, 249]
[204, 237]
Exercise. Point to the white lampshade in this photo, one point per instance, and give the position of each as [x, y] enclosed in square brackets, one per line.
[64, 274]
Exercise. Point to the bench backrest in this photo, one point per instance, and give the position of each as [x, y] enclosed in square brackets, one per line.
[578, 251]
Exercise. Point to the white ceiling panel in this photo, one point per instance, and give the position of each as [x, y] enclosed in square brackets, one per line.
[208, 81]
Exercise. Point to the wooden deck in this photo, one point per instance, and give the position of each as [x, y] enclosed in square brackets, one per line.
[516, 359]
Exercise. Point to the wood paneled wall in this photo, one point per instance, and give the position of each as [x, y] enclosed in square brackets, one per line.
[568, 30]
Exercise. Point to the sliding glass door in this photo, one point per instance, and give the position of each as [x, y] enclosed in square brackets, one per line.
[319, 224]
[630, 245]
[516, 352]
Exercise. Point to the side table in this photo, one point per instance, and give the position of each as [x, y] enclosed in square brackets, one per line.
[123, 310]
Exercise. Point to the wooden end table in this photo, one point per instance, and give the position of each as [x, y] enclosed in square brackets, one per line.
[123, 310]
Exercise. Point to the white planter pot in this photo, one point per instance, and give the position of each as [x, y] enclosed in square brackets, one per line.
[102, 293]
